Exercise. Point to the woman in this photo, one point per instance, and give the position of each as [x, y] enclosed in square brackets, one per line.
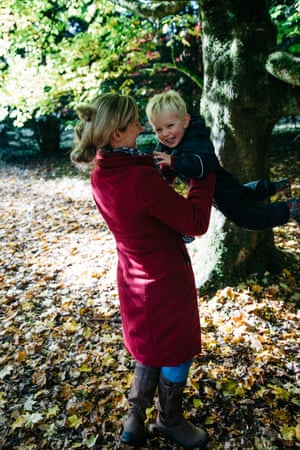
[157, 292]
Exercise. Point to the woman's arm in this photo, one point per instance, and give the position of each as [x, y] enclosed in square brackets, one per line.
[189, 215]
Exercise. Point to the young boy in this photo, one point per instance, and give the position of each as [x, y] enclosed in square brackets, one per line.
[185, 150]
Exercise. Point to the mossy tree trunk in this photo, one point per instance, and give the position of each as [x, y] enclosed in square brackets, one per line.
[241, 102]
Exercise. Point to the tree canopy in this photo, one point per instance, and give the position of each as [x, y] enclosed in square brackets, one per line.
[54, 54]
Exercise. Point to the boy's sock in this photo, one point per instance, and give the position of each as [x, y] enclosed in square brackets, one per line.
[283, 186]
[294, 206]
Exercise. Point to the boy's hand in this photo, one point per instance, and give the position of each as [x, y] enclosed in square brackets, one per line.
[163, 158]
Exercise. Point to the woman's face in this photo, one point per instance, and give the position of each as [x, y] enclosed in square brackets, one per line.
[131, 133]
[170, 128]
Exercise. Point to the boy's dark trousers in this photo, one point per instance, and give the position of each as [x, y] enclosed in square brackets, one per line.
[240, 202]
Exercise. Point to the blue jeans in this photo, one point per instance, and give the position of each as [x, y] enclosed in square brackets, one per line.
[177, 374]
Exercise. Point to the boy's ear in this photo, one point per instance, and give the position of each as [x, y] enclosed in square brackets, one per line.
[186, 120]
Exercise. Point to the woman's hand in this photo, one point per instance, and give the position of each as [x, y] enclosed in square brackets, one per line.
[163, 158]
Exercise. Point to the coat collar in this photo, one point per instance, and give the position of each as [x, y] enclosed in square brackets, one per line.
[119, 159]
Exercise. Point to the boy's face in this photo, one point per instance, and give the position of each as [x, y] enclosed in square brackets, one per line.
[170, 128]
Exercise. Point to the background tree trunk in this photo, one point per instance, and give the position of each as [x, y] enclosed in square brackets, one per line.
[47, 133]
[241, 102]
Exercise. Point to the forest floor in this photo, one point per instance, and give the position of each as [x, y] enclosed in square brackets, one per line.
[64, 373]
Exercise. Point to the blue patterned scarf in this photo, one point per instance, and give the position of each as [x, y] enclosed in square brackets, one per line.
[128, 150]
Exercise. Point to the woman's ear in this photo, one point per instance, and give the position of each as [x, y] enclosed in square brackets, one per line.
[115, 136]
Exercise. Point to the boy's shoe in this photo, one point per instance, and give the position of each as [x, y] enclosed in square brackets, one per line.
[294, 206]
[283, 186]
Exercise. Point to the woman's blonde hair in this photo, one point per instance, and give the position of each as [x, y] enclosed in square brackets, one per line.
[165, 103]
[99, 119]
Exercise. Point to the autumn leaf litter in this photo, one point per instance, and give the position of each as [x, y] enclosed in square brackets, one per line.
[64, 373]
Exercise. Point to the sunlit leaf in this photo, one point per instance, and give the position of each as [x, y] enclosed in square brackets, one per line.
[85, 368]
[29, 404]
[18, 423]
[32, 419]
[287, 433]
[198, 403]
[91, 440]
[52, 412]
[279, 392]
[75, 421]
[256, 288]
[72, 326]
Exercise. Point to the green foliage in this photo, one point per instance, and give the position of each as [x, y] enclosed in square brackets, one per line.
[286, 17]
[55, 55]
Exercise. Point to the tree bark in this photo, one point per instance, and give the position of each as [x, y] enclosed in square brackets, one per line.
[241, 102]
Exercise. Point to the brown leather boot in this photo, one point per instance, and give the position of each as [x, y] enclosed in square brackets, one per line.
[170, 420]
[140, 397]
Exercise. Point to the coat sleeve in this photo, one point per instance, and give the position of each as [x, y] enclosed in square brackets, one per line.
[187, 215]
[195, 165]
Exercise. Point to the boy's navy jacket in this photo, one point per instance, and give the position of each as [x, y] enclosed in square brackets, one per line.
[194, 157]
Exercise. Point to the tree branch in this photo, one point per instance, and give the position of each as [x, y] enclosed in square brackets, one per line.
[285, 67]
[156, 10]
[182, 69]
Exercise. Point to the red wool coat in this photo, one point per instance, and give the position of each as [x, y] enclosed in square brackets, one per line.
[157, 293]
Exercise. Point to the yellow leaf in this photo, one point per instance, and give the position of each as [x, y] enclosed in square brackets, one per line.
[21, 356]
[209, 420]
[75, 421]
[257, 288]
[213, 418]
[197, 403]
[3, 400]
[297, 432]
[228, 292]
[87, 333]
[96, 275]
[18, 423]
[91, 441]
[52, 412]
[66, 304]
[255, 343]
[72, 326]
[287, 433]
[287, 272]
[260, 393]
[230, 388]
[85, 368]
[282, 415]
[279, 392]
